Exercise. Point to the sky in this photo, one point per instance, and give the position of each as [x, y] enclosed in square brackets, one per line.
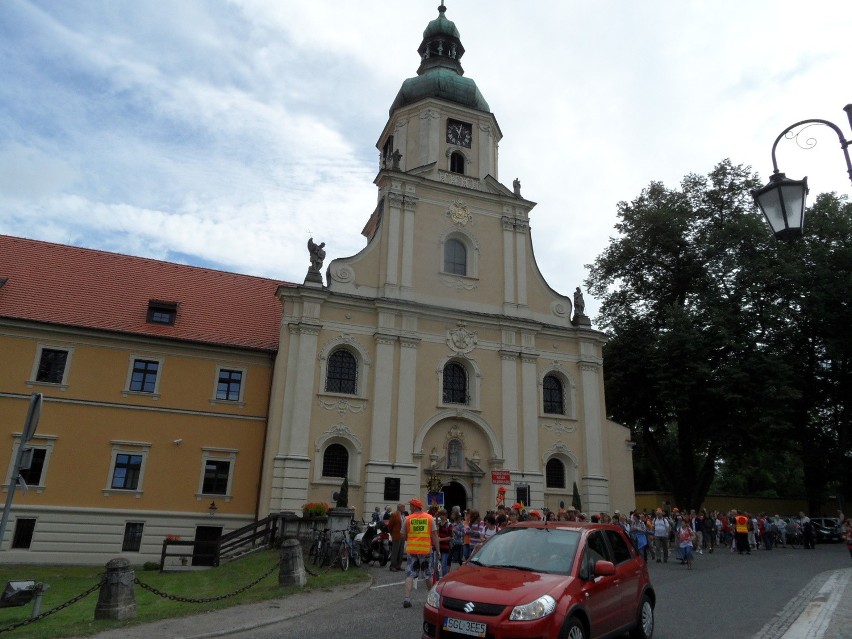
[225, 133]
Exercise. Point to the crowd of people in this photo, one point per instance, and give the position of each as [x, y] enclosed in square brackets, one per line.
[740, 532]
[435, 540]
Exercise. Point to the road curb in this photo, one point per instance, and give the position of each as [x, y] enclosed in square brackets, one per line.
[236, 619]
[296, 608]
[806, 612]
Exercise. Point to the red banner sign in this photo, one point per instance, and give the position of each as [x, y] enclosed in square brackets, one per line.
[501, 477]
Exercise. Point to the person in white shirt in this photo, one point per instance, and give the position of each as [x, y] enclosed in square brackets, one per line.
[662, 528]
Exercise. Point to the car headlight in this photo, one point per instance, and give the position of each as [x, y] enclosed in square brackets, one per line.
[433, 599]
[537, 609]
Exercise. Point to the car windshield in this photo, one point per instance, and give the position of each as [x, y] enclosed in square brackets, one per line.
[536, 549]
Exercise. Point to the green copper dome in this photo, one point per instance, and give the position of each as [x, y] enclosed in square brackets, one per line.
[441, 26]
[440, 74]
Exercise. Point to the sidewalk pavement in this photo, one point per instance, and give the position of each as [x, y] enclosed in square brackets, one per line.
[237, 618]
[821, 610]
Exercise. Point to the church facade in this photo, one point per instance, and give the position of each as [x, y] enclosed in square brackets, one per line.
[437, 361]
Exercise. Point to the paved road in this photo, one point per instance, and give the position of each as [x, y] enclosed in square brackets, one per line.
[736, 597]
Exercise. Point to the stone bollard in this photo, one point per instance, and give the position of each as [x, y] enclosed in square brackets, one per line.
[291, 568]
[117, 599]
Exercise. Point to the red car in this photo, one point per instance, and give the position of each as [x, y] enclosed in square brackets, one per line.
[545, 580]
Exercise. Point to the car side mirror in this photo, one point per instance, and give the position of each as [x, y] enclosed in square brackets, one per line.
[604, 568]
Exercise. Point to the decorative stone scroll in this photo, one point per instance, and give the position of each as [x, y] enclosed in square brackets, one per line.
[460, 340]
[558, 427]
[459, 213]
[461, 180]
[343, 405]
[458, 283]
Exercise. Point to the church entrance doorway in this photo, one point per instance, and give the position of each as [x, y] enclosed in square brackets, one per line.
[454, 495]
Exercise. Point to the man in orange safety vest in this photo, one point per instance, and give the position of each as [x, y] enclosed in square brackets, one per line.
[421, 537]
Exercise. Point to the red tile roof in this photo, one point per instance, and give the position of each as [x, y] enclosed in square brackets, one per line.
[84, 288]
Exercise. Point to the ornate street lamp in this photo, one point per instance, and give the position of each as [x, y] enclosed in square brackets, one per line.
[782, 201]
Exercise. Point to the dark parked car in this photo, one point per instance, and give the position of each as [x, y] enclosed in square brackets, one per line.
[827, 529]
[554, 580]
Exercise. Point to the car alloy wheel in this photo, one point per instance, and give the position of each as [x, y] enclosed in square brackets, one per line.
[644, 628]
[574, 629]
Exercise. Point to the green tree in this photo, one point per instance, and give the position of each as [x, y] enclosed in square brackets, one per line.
[688, 366]
[817, 342]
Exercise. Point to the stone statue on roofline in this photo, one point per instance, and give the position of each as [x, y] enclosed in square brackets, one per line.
[580, 317]
[579, 302]
[317, 255]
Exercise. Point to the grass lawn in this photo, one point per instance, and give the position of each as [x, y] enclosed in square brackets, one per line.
[66, 582]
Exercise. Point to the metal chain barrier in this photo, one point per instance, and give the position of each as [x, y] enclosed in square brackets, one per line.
[311, 572]
[144, 586]
[166, 595]
[70, 602]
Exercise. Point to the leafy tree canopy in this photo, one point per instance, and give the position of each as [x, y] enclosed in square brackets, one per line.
[702, 304]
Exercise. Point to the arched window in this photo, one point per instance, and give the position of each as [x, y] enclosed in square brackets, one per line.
[457, 163]
[553, 395]
[554, 473]
[342, 372]
[335, 461]
[455, 257]
[455, 454]
[455, 384]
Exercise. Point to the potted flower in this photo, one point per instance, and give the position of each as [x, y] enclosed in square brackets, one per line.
[315, 509]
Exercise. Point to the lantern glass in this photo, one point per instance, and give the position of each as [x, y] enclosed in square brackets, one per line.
[793, 196]
[782, 202]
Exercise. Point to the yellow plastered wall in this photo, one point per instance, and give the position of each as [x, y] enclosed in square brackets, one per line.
[85, 419]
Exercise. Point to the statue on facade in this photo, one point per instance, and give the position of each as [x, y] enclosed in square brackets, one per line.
[516, 185]
[317, 254]
[397, 156]
[579, 303]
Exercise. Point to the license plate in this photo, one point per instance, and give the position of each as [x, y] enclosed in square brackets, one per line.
[465, 627]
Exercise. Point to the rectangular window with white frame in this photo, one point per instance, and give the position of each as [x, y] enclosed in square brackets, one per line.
[127, 470]
[217, 473]
[143, 376]
[51, 365]
[35, 462]
[230, 385]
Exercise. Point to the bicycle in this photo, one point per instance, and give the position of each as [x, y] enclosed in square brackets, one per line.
[354, 547]
[319, 547]
[338, 550]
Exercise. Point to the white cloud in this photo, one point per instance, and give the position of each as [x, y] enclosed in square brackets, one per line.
[226, 132]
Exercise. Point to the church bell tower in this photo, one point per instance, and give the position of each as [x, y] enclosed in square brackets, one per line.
[439, 120]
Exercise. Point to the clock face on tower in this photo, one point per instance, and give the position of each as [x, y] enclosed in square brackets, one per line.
[459, 133]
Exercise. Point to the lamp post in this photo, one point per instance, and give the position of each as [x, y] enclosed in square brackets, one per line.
[782, 201]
